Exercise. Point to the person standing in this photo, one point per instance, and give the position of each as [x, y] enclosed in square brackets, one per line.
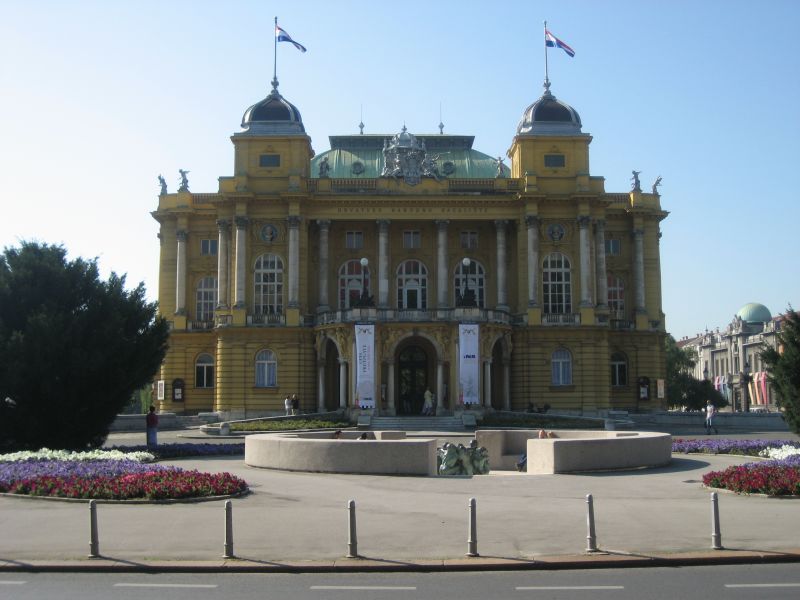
[710, 412]
[295, 405]
[287, 405]
[152, 427]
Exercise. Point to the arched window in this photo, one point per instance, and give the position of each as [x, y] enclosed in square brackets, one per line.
[470, 280]
[556, 284]
[352, 279]
[412, 285]
[266, 369]
[268, 297]
[206, 299]
[616, 296]
[204, 371]
[561, 362]
[619, 369]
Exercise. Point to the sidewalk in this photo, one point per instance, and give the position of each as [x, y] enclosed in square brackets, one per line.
[298, 521]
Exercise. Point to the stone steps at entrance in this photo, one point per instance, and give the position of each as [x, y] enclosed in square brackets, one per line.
[418, 423]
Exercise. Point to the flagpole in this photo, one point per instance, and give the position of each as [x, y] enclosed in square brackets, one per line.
[546, 73]
[275, 56]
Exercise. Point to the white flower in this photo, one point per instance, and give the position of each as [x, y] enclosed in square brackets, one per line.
[780, 453]
[66, 455]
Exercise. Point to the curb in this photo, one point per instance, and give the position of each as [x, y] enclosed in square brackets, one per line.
[599, 560]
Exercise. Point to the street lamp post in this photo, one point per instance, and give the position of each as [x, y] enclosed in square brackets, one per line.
[468, 298]
[365, 300]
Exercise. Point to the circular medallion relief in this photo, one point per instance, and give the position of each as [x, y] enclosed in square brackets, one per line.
[357, 168]
[269, 233]
[448, 168]
[555, 232]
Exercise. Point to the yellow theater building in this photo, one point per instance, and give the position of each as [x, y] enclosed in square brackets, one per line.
[393, 265]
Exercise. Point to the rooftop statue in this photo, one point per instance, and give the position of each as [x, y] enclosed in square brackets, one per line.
[404, 156]
[184, 187]
[656, 183]
[163, 184]
[324, 167]
[637, 186]
[500, 167]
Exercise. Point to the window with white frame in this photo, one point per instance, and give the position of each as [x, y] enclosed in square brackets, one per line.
[266, 369]
[206, 299]
[470, 280]
[469, 240]
[268, 281]
[354, 240]
[412, 239]
[204, 371]
[616, 296]
[561, 365]
[353, 278]
[556, 284]
[412, 285]
[613, 247]
[208, 247]
[619, 369]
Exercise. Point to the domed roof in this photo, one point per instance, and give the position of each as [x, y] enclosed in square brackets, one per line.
[549, 116]
[754, 313]
[273, 115]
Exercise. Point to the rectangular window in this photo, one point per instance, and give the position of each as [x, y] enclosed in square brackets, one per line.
[469, 240]
[208, 247]
[412, 239]
[269, 160]
[613, 247]
[204, 376]
[354, 240]
[554, 160]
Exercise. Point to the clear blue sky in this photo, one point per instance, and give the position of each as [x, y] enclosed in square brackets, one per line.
[100, 97]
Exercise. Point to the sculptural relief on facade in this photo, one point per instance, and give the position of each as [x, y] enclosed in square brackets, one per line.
[405, 156]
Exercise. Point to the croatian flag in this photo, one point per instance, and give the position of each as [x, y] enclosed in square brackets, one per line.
[282, 36]
[553, 42]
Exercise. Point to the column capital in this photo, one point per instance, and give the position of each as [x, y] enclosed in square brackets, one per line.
[181, 235]
[636, 233]
[293, 221]
[583, 221]
[441, 224]
[241, 222]
[600, 223]
[501, 223]
[383, 224]
[532, 221]
[223, 223]
[324, 223]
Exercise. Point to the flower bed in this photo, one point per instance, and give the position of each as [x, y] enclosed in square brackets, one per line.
[164, 451]
[780, 477]
[724, 446]
[108, 475]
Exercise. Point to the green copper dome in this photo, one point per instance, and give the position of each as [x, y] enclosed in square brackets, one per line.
[754, 313]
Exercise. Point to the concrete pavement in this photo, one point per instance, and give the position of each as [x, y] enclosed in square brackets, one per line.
[298, 521]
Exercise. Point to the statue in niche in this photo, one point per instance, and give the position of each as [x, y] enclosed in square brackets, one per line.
[656, 184]
[324, 167]
[637, 186]
[163, 184]
[184, 187]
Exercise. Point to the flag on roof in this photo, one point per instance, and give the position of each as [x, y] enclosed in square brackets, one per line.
[282, 36]
[553, 42]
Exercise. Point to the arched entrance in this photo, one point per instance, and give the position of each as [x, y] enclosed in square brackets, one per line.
[413, 378]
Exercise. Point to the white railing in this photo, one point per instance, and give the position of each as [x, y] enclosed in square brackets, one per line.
[266, 319]
[561, 319]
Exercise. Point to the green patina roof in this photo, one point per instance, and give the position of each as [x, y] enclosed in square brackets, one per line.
[347, 150]
[754, 313]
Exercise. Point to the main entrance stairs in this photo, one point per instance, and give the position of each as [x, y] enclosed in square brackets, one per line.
[418, 423]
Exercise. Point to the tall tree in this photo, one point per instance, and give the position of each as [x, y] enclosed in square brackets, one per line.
[783, 366]
[73, 348]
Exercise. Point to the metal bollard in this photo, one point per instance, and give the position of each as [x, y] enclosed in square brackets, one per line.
[228, 548]
[716, 536]
[472, 539]
[94, 544]
[591, 537]
[352, 539]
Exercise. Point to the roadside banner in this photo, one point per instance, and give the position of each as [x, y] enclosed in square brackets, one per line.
[468, 364]
[365, 366]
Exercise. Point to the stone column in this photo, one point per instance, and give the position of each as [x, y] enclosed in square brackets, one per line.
[180, 274]
[324, 268]
[321, 387]
[502, 297]
[342, 384]
[441, 264]
[294, 260]
[439, 387]
[487, 384]
[390, 386]
[600, 263]
[638, 267]
[241, 261]
[506, 386]
[222, 264]
[586, 273]
[533, 260]
[383, 264]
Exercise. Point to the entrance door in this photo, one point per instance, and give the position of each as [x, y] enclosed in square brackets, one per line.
[412, 381]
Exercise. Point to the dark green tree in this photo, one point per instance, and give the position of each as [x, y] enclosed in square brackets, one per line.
[783, 365]
[73, 348]
[683, 389]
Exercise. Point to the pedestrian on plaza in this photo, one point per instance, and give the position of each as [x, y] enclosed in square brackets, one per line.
[710, 412]
[427, 408]
[151, 420]
[295, 405]
[287, 405]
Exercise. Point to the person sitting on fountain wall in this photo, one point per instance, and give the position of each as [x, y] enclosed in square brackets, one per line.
[337, 434]
[363, 436]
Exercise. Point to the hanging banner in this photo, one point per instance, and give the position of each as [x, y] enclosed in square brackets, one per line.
[469, 375]
[365, 366]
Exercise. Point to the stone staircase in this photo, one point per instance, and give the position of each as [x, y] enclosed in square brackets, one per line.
[190, 421]
[418, 423]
